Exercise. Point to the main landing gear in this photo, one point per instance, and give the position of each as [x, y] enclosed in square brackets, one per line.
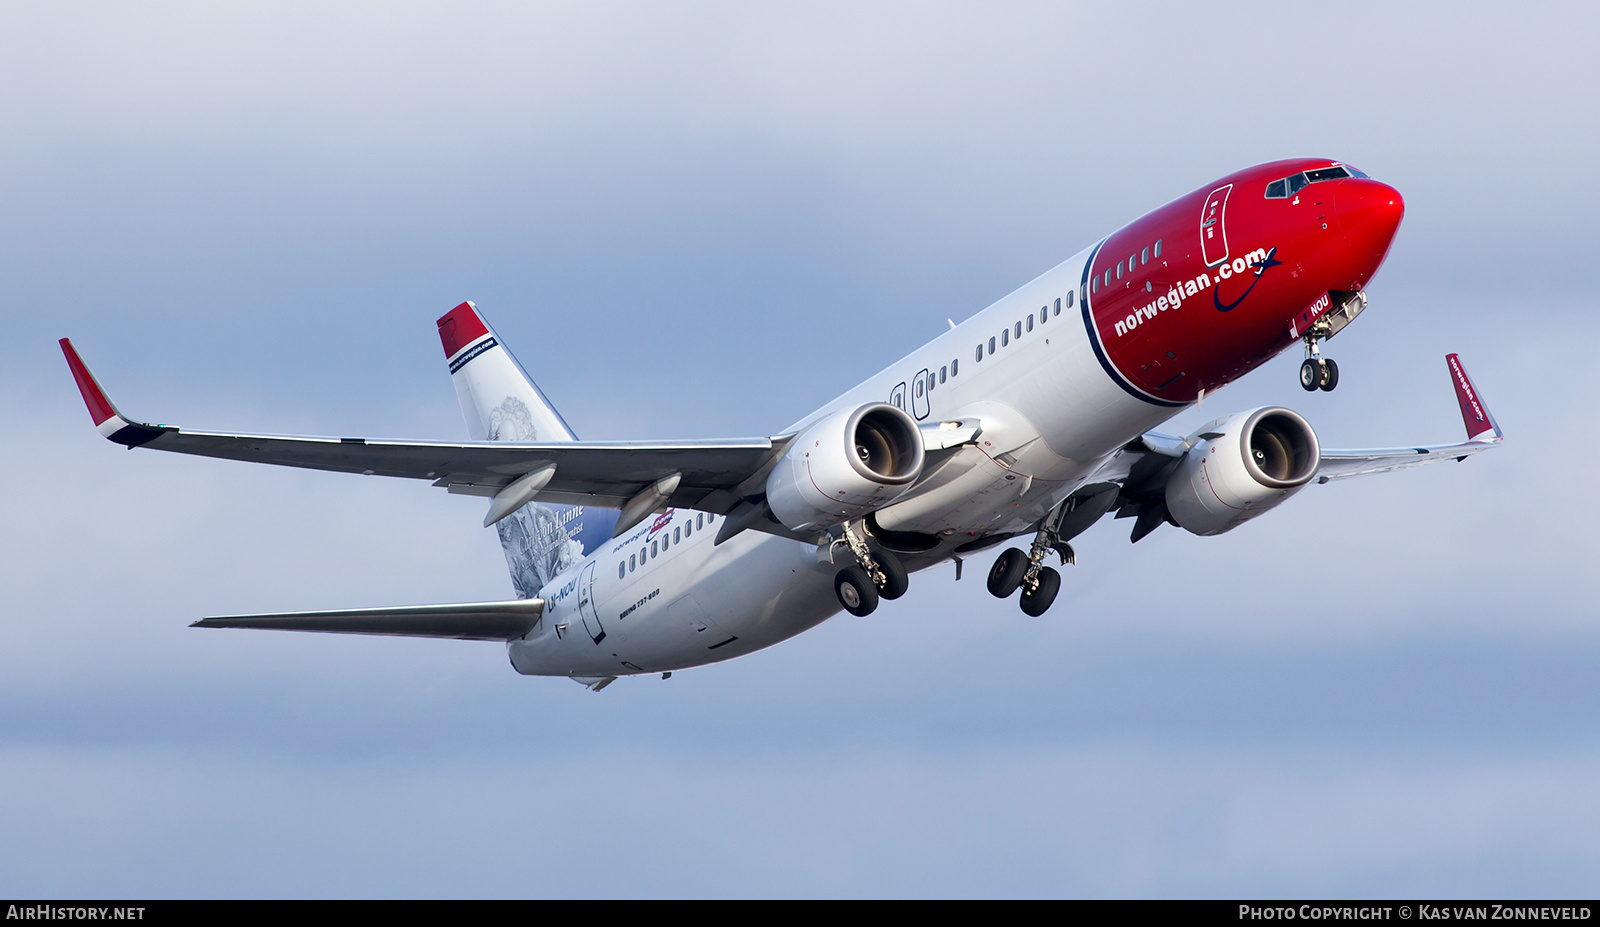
[1317, 372]
[1015, 570]
[875, 574]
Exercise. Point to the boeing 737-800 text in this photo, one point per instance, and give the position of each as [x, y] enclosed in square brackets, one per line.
[1031, 419]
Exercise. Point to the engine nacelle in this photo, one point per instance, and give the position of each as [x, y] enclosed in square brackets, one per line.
[1240, 467]
[846, 465]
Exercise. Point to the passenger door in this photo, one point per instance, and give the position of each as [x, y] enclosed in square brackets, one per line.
[920, 403]
[591, 618]
[1213, 226]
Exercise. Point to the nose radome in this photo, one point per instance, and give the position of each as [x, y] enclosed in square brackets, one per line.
[1369, 214]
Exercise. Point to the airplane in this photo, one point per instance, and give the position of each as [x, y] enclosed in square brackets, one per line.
[1032, 419]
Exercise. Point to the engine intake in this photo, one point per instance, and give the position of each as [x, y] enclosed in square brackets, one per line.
[846, 465]
[1242, 466]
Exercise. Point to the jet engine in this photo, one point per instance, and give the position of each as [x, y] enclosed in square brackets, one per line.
[1240, 467]
[846, 465]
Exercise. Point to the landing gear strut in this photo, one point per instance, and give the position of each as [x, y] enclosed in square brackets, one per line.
[1039, 584]
[875, 574]
[1318, 372]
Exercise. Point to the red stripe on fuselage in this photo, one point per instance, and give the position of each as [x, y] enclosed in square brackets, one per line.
[1186, 319]
[460, 327]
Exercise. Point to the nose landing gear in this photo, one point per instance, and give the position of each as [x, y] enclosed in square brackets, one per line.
[1319, 373]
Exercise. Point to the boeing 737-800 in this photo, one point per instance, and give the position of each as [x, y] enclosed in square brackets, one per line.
[1031, 420]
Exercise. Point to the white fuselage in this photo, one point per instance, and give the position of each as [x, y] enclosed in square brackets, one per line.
[1051, 417]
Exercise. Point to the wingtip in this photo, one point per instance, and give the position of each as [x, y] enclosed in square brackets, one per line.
[100, 408]
[107, 420]
[1475, 414]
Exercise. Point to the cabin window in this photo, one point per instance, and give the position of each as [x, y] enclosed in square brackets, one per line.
[1096, 285]
[1044, 314]
[622, 569]
[1144, 257]
[688, 528]
[653, 551]
[1058, 302]
[1030, 323]
[991, 345]
[1108, 276]
[665, 542]
[978, 355]
[676, 536]
[710, 518]
[919, 388]
[1119, 271]
[1005, 337]
[1158, 248]
[953, 368]
[699, 520]
[1019, 328]
[631, 559]
[1131, 259]
[1069, 303]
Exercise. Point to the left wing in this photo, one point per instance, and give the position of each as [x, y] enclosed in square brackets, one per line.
[711, 476]
[1142, 467]
[1483, 433]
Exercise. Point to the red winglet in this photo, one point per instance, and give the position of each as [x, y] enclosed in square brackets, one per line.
[1474, 414]
[100, 408]
[460, 327]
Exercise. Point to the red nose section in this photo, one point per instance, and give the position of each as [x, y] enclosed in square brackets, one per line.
[1369, 214]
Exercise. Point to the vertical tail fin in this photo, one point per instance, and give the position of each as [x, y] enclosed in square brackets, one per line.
[498, 398]
[502, 403]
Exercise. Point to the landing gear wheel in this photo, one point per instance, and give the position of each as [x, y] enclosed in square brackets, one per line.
[1311, 375]
[1006, 574]
[895, 580]
[1038, 601]
[857, 593]
[1330, 374]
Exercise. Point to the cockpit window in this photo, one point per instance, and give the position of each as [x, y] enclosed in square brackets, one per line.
[1294, 183]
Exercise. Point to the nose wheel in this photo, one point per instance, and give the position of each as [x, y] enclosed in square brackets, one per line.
[1317, 372]
[1321, 373]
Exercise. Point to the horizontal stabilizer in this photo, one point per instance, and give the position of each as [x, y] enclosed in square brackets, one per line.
[476, 621]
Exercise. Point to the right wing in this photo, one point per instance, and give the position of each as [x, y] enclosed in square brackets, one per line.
[713, 476]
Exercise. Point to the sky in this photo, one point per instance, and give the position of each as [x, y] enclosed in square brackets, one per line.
[704, 220]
